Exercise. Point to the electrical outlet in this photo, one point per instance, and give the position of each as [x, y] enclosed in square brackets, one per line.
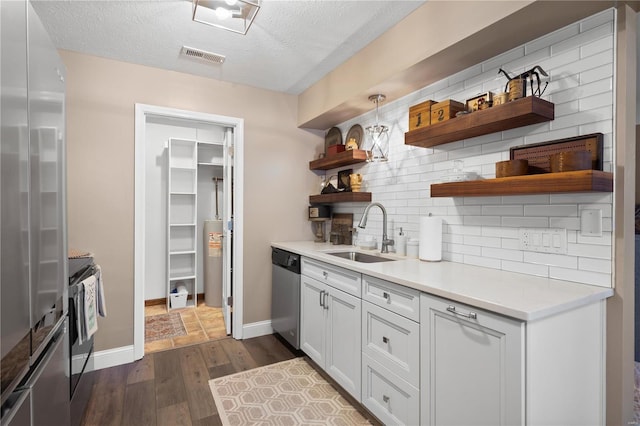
[543, 240]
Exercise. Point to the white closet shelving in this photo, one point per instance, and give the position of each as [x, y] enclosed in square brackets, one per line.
[210, 153]
[182, 205]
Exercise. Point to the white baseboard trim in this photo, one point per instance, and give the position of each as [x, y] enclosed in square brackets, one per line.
[256, 329]
[125, 355]
[111, 358]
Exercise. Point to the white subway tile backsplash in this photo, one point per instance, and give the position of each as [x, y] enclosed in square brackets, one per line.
[551, 259]
[552, 38]
[502, 210]
[465, 249]
[597, 19]
[482, 261]
[564, 222]
[464, 210]
[525, 222]
[497, 231]
[525, 199]
[511, 244]
[482, 220]
[525, 268]
[589, 250]
[604, 44]
[595, 265]
[484, 230]
[593, 278]
[584, 39]
[567, 108]
[581, 118]
[553, 210]
[472, 240]
[605, 239]
[500, 253]
[496, 62]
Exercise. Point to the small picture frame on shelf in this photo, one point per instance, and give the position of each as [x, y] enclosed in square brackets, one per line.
[343, 180]
[479, 102]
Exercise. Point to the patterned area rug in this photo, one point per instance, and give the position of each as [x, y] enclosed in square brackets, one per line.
[164, 326]
[286, 393]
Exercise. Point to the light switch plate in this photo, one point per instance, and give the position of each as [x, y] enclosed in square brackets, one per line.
[591, 223]
[543, 240]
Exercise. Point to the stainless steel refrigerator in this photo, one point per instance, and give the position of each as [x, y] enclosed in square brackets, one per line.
[33, 253]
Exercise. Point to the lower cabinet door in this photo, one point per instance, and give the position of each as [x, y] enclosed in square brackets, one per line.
[391, 399]
[312, 319]
[472, 365]
[343, 357]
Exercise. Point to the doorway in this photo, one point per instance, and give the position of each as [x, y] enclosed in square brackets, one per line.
[155, 128]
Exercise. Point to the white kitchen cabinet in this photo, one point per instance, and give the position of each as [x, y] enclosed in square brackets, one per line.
[509, 372]
[393, 341]
[330, 332]
[390, 364]
[391, 399]
[471, 359]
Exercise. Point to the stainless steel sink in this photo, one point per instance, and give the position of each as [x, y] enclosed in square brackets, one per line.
[360, 257]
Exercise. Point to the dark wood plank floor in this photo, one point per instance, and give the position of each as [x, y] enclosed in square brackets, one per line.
[172, 387]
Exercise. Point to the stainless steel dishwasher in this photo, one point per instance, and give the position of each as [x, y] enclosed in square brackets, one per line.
[285, 295]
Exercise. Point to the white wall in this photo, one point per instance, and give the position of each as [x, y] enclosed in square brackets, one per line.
[483, 230]
[158, 132]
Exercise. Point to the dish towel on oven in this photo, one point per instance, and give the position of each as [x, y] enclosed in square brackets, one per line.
[89, 307]
[102, 305]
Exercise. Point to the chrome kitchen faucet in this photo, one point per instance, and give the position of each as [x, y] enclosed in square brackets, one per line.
[363, 223]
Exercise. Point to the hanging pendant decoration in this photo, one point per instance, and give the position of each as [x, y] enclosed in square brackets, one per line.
[378, 135]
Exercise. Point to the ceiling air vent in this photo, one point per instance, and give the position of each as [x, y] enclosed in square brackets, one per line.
[203, 55]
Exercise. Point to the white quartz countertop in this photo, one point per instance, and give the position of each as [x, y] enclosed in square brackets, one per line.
[520, 296]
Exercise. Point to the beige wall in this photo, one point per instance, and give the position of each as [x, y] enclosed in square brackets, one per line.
[100, 149]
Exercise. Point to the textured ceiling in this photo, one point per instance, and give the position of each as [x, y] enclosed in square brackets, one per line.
[290, 46]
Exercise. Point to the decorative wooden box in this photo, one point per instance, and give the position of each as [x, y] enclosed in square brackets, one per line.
[334, 149]
[539, 154]
[420, 115]
[445, 110]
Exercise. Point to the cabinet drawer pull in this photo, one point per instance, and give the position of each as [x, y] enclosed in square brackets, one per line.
[470, 315]
[321, 301]
[325, 304]
[385, 398]
[385, 295]
[385, 339]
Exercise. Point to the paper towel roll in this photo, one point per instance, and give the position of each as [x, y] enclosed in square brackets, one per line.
[430, 238]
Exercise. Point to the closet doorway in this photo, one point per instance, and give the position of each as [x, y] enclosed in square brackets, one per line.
[188, 173]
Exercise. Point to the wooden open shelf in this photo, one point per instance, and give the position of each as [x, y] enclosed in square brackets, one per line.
[578, 181]
[344, 158]
[340, 197]
[518, 113]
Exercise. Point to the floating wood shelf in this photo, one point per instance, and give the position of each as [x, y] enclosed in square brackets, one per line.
[344, 158]
[518, 113]
[579, 181]
[340, 197]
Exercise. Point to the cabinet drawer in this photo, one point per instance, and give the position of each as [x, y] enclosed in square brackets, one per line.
[392, 340]
[392, 400]
[394, 297]
[340, 278]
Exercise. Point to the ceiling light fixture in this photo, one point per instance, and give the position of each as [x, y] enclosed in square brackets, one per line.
[378, 134]
[231, 15]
